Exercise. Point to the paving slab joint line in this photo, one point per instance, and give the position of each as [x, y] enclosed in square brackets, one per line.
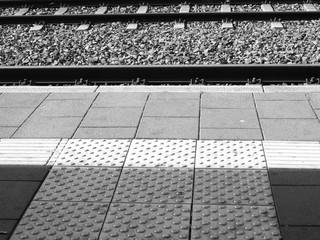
[85, 115]
[255, 106]
[142, 114]
[57, 152]
[314, 111]
[271, 189]
[114, 191]
[29, 116]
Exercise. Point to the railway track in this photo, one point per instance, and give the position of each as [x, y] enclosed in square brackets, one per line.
[157, 74]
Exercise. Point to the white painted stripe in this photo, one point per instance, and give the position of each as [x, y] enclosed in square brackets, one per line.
[48, 89]
[292, 154]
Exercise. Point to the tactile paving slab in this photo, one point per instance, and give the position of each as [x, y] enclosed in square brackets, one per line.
[61, 221]
[230, 154]
[234, 222]
[155, 185]
[79, 184]
[94, 152]
[234, 187]
[282, 154]
[27, 151]
[146, 221]
[161, 153]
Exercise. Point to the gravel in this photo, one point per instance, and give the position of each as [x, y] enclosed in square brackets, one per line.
[158, 43]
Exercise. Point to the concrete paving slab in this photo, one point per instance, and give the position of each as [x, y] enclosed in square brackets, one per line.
[229, 118]
[174, 95]
[172, 108]
[227, 100]
[291, 129]
[111, 133]
[14, 117]
[72, 95]
[317, 113]
[6, 228]
[63, 108]
[112, 117]
[47, 89]
[298, 177]
[7, 132]
[280, 96]
[48, 127]
[188, 89]
[298, 233]
[169, 127]
[285, 109]
[230, 134]
[22, 100]
[299, 88]
[17, 198]
[297, 205]
[314, 99]
[129, 100]
[27, 173]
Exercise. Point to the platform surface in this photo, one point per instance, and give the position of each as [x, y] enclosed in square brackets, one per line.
[102, 164]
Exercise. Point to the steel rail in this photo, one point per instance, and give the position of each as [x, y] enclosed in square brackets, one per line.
[134, 2]
[160, 17]
[160, 74]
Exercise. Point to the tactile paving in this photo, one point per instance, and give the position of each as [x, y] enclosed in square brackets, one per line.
[27, 151]
[61, 221]
[282, 154]
[155, 185]
[79, 184]
[94, 152]
[161, 153]
[234, 222]
[146, 221]
[230, 154]
[234, 187]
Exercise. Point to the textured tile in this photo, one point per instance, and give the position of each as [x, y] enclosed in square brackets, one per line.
[234, 222]
[79, 184]
[155, 185]
[61, 220]
[112, 117]
[230, 154]
[168, 128]
[227, 100]
[230, 134]
[291, 129]
[172, 108]
[285, 109]
[229, 118]
[161, 153]
[22, 100]
[234, 187]
[147, 221]
[118, 99]
[14, 117]
[94, 152]
[111, 133]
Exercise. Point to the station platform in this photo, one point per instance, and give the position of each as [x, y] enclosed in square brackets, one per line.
[194, 162]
